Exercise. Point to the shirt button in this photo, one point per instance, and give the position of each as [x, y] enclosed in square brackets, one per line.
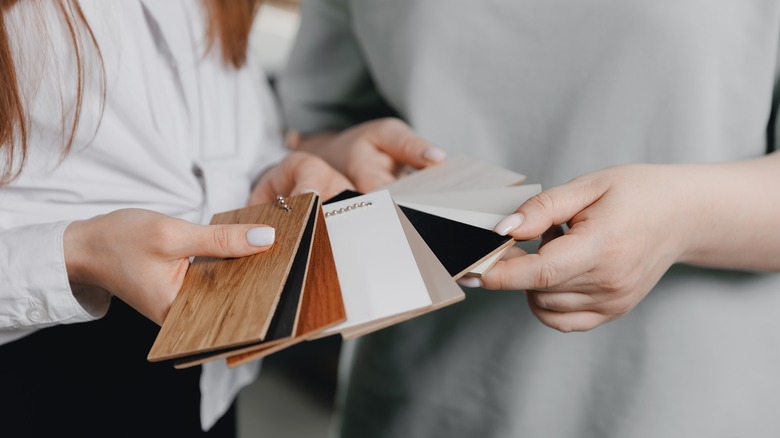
[197, 171]
[36, 315]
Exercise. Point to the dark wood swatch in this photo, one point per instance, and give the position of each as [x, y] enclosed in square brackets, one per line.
[323, 305]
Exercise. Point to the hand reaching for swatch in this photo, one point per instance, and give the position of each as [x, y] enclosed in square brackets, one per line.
[627, 226]
[297, 173]
[372, 153]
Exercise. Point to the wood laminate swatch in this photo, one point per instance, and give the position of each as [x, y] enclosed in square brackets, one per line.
[495, 200]
[231, 302]
[322, 305]
[481, 208]
[285, 320]
[201, 358]
[378, 273]
[441, 286]
[486, 221]
[479, 270]
[455, 173]
[459, 247]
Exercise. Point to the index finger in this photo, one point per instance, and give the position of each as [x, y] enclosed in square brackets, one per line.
[398, 140]
[554, 206]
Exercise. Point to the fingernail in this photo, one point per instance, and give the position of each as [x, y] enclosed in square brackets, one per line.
[304, 191]
[434, 154]
[509, 224]
[471, 282]
[261, 236]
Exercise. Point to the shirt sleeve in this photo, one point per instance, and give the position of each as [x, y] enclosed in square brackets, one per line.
[34, 287]
[326, 83]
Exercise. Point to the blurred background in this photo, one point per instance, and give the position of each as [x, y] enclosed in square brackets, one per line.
[274, 31]
[294, 394]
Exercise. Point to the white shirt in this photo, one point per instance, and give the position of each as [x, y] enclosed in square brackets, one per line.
[181, 133]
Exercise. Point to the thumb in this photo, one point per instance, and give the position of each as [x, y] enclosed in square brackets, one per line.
[396, 139]
[227, 241]
[554, 206]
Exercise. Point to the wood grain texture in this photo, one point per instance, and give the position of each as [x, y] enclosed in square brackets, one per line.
[230, 302]
[201, 358]
[322, 304]
[285, 319]
[376, 267]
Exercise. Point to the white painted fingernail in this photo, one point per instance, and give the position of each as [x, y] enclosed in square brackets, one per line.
[434, 154]
[261, 236]
[509, 224]
[471, 282]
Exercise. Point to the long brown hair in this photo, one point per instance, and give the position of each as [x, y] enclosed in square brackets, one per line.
[229, 23]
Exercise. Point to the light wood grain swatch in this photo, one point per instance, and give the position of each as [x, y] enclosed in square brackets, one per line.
[285, 319]
[230, 302]
[322, 306]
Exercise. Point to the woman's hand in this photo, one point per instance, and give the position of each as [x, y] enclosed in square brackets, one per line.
[299, 172]
[141, 256]
[371, 154]
[627, 226]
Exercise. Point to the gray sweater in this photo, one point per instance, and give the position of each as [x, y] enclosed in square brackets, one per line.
[554, 89]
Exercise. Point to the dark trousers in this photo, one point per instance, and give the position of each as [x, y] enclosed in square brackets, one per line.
[93, 379]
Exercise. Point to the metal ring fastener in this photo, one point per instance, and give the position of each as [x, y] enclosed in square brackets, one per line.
[282, 203]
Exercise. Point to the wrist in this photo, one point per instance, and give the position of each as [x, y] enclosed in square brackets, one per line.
[76, 254]
[712, 210]
[687, 203]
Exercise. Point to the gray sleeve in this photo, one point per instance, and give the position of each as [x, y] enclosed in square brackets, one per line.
[326, 83]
